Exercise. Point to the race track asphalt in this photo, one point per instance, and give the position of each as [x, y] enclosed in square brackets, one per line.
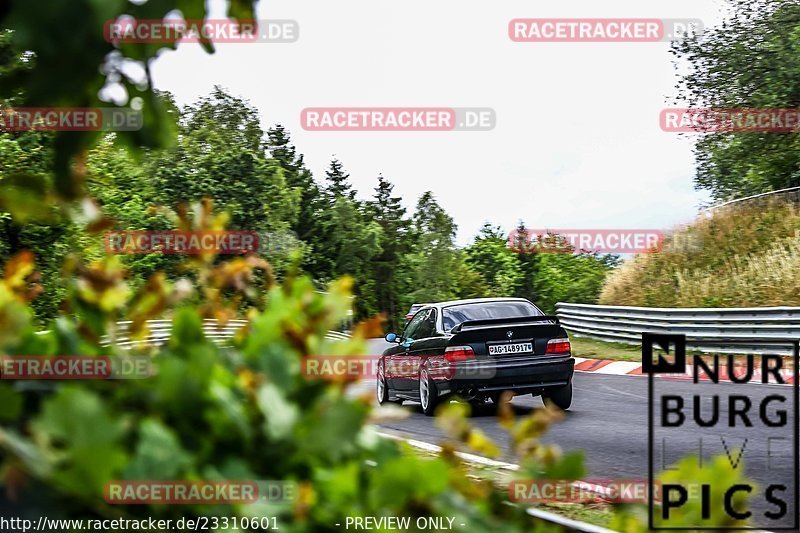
[608, 421]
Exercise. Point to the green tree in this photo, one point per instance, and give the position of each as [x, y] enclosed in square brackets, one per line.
[434, 258]
[27, 222]
[751, 60]
[221, 153]
[528, 270]
[468, 282]
[355, 242]
[338, 181]
[387, 269]
[311, 222]
[569, 277]
[491, 257]
[71, 60]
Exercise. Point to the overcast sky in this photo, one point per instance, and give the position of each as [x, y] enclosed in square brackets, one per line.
[577, 142]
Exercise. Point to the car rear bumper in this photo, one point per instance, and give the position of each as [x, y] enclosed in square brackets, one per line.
[534, 375]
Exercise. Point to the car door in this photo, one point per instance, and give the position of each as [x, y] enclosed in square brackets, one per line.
[397, 360]
[425, 343]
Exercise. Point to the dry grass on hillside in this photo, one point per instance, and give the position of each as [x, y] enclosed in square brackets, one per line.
[744, 256]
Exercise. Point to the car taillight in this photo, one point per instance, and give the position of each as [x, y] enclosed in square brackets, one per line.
[455, 354]
[558, 346]
[409, 317]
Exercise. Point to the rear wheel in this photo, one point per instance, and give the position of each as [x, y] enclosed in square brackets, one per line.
[560, 397]
[427, 393]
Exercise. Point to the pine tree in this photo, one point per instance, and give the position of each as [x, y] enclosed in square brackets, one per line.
[354, 243]
[281, 149]
[528, 266]
[338, 184]
[313, 221]
[387, 270]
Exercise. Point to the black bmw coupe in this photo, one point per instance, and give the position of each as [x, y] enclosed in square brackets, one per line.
[477, 349]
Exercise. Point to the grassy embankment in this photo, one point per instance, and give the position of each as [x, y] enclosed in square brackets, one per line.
[738, 256]
[744, 256]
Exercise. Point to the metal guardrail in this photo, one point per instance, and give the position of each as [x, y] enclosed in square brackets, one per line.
[791, 194]
[566, 523]
[719, 330]
[159, 332]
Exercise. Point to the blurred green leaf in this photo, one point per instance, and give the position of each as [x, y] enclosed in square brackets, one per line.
[81, 431]
[279, 413]
[26, 197]
[10, 403]
[158, 455]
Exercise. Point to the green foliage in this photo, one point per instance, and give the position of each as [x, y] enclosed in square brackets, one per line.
[71, 61]
[544, 278]
[242, 411]
[751, 60]
[434, 257]
[311, 218]
[261, 181]
[338, 186]
[239, 411]
[221, 154]
[25, 177]
[389, 269]
[687, 473]
[497, 263]
[355, 241]
[572, 278]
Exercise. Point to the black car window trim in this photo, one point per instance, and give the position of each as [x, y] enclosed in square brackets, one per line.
[414, 323]
[430, 325]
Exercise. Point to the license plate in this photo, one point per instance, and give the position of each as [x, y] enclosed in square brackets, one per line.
[517, 347]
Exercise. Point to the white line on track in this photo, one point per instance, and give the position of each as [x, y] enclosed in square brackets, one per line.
[472, 458]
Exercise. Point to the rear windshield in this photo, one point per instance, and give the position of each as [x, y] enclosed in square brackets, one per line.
[456, 314]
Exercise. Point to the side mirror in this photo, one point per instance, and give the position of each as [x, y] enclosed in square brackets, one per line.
[391, 337]
[408, 342]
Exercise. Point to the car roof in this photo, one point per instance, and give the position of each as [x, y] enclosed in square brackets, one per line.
[439, 305]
